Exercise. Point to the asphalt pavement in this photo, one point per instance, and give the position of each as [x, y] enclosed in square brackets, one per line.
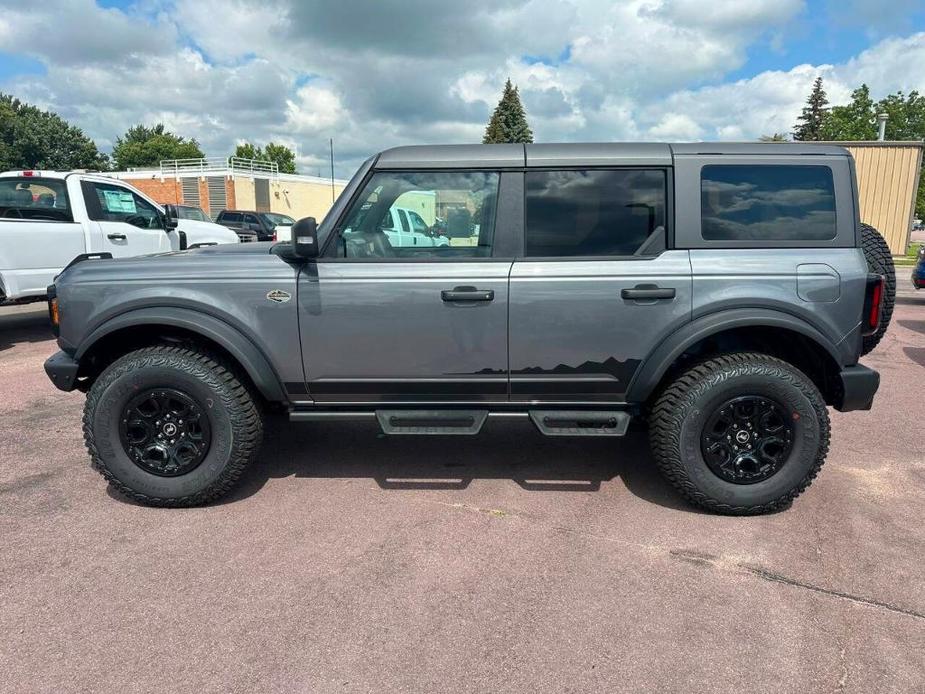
[509, 562]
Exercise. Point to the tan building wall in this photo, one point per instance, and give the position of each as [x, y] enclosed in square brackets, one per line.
[888, 178]
[302, 198]
[244, 196]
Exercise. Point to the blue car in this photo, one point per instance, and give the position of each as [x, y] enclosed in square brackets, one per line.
[918, 272]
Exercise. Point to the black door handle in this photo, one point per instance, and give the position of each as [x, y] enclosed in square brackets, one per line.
[116, 237]
[467, 294]
[648, 291]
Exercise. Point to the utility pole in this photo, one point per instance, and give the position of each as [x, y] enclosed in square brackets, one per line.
[332, 169]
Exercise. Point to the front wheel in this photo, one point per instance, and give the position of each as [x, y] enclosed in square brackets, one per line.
[740, 434]
[171, 426]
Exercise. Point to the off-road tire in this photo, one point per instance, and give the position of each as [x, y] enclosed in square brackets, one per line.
[879, 260]
[234, 418]
[678, 416]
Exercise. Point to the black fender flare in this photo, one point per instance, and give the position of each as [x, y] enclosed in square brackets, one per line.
[655, 366]
[238, 345]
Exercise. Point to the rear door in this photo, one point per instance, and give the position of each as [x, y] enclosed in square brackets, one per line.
[597, 288]
[38, 234]
[126, 224]
[381, 321]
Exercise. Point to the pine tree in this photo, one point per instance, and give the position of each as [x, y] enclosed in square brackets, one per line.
[509, 121]
[812, 120]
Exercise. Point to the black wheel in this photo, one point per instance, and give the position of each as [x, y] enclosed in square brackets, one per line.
[879, 260]
[740, 434]
[171, 426]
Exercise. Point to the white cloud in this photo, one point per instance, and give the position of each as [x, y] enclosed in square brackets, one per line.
[405, 71]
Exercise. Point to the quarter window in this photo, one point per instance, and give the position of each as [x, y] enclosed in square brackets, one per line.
[34, 198]
[441, 214]
[767, 203]
[594, 213]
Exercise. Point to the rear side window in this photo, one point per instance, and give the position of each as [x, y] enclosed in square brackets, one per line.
[767, 203]
[230, 216]
[593, 213]
[38, 199]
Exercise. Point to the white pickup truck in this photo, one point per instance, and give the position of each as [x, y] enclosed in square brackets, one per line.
[48, 218]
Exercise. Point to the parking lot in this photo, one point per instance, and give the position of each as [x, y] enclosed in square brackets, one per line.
[352, 562]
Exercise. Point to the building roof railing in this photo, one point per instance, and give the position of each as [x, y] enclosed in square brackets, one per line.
[262, 167]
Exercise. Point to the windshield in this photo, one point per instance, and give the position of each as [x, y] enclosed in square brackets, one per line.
[194, 213]
[277, 219]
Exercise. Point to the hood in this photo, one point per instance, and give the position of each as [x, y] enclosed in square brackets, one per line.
[211, 262]
[195, 227]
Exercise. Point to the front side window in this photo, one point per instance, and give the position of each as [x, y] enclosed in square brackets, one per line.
[593, 213]
[451, 212]
[276, 219]
[120, 204]
[33, 198]
[767, 202]
[192, 213]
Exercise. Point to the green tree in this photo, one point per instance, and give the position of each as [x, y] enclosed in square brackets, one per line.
[508, 123]
[142, 146]
[809, 124]
[854, 121]
[246, 150]
[282, 155]
[776, 137]
[905, 115]
[34, 139]
[858, 121]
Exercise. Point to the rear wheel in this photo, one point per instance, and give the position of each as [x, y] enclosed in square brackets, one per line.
[171, 426]
[880, 261]
[740, 434]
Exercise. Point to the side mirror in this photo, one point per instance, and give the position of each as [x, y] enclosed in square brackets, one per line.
[171, 217]
[305, 238]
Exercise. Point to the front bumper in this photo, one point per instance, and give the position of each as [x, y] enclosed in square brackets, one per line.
[858, 387]
[62, 370]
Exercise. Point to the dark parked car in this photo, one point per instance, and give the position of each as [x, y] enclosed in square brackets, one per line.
[918, 272]
[262, 223]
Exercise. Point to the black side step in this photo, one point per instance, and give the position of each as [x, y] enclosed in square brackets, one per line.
[581, 422]
[431, 421]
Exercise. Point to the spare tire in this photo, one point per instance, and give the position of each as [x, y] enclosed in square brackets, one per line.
[879, 260]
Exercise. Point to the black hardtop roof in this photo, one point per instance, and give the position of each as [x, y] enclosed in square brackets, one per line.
[582, 153]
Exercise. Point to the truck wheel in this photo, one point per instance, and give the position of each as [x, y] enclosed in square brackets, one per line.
[879, 260]
[171, 426]
[740, 434]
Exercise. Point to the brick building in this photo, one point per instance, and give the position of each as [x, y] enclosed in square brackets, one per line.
[216, 184]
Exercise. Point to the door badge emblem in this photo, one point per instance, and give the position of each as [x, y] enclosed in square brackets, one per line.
[279, 296]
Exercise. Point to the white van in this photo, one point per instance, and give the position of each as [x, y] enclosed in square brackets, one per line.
[48, 218]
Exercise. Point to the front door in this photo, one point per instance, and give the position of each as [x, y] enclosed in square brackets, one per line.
[126, 224]
[597, 290]
[395, 323]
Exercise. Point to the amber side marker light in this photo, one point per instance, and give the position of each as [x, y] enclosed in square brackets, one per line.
[53, 314]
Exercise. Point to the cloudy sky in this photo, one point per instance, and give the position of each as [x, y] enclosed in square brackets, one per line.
[386, 72]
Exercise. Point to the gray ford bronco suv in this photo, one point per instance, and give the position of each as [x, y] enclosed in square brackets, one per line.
[721, 294]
